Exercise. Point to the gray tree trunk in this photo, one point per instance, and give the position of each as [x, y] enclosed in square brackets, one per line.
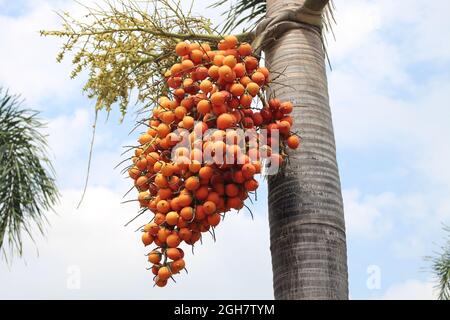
[307, 229]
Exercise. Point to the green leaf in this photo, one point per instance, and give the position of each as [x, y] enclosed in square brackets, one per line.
[440, 266]
[242, 12]
[27, 183]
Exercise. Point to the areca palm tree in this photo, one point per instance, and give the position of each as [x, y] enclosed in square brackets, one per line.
[307, 229]
[27, 185]
[308, 242]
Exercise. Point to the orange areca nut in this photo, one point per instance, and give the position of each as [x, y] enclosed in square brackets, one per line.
[187, 176]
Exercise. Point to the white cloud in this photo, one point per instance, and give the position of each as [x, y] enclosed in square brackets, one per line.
[409, 222]
[367, 216]
[412, 246]
[361, 18]
[394, 84]
[411, 290]
[67, 133]
[69, 137]
[111, 257]
[415, 30]
[28, 66]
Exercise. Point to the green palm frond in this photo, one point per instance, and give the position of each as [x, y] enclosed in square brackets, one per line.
[27, 184]
[253, 11]
[243, 11]
[440, 265]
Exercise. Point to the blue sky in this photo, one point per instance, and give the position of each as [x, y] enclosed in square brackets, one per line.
[389, 90]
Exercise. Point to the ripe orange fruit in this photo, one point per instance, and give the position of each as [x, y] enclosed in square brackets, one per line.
[274, 104]
[185, 200]
[196, 56]
[159, 218]
[237, 89]
[161, 283]
[213, 72]
[182, 223]
[178, 265]
[180, 112]
[206, 86]
[231, 190]
[161, 180]
[286, 107]
[235, 203]
[192, 183]
[195, 165]
[230, 41]
[164, 273]
[163, 130]
[205, 47]
[248, 171]
[152, 228]
[163, 206]
[203, 106]
[251, 63]
[209, 207]
[239, 70]
[245, 81]
[188, 122]
[205, 173]
[187, 65]
[185, 234]
[145, 138]
[154, 257]
[173, 241]
[246, 100]
[172, 218]
[202, 193]
[174, 253]
[182, 49]
[141, 182]
[134, 173]
[218, 60]
[253, 89]
[165, 193]
[147, 239]
[226, 73]
[284, 127]
[225, 121]
[187, 213]
[251, 185]
[259, 78]
[265, 72]
[230, 61]
[293, 142]
[245, 49]
[200, 73]
[188, 82]
[163, 234]
[176, 69]
[214, 219]
[217, 98]
[187, 103]
[194, 45]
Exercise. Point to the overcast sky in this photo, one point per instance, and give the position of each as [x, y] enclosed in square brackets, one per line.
[390, 93]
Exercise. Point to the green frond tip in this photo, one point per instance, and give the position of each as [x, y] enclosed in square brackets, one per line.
[27, 183]
[249, 12]
[440, 265]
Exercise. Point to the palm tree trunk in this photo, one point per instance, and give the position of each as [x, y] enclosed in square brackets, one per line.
[307, 229]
